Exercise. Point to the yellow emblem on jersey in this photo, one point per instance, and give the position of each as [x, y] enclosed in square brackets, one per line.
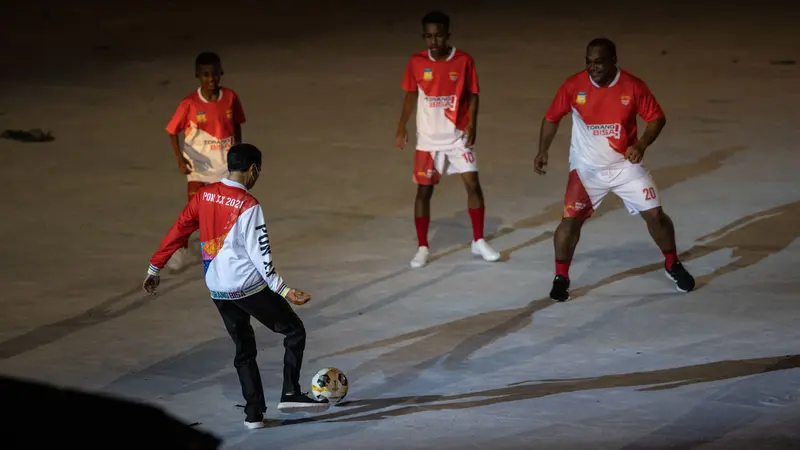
[201, 117]
[427, 74]
[580, 98]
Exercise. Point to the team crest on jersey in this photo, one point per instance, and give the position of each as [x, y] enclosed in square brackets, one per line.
[427, 74]
[201, 117]
[453, 76]
[580, 98]
[625, 100]
[229, 113]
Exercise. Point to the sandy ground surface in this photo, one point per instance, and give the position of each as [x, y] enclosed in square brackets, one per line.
[462, 353]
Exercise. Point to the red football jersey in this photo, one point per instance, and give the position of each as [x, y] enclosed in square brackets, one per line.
[444, 88]
[208, 132]
[603, 118]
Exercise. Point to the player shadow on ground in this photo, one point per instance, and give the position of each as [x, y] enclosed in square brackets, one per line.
[109, 309]
[655, 380]
[752, 239]
[693, 429]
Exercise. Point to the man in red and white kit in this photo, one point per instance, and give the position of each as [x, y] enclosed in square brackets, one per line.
[211, 120]
[605, 156]
[442, 84]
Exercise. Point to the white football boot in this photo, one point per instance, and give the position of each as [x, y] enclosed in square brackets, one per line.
[482, 248]
[421, 258]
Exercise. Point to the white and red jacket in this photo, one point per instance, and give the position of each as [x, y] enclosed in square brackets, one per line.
[237, 259]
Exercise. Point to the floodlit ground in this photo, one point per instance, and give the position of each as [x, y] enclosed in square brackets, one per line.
[459, 354]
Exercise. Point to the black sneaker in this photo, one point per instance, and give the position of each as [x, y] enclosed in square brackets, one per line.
[301, 402]
[684, 281]
[255, 422]
[560, 291]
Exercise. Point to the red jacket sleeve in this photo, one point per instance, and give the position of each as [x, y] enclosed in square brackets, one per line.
[177, 237]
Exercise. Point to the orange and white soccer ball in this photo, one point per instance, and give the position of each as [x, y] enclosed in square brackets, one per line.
[329, 383]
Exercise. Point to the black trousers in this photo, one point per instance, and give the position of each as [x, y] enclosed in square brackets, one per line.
[275, 313]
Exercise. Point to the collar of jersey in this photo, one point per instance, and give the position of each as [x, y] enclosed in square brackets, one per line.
[200, 94]
[449, 57]
[616, 78]
[232, 183]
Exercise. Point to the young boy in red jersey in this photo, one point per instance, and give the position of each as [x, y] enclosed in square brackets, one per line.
[442, 84]
[210, 119]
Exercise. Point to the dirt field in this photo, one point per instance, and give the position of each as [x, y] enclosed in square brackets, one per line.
[461, 353]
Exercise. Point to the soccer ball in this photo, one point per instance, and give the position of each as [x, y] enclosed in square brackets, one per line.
[329, 383]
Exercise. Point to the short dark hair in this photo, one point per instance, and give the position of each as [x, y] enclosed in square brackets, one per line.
[242, 156]
[437, 17]
[207, 59]
[604, 43]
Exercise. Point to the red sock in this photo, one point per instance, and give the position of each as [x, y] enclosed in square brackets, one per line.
[670, 258]
[476, 216]
[562, 268]
[422, 230]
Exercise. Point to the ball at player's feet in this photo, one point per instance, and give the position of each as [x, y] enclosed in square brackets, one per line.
[329, 383]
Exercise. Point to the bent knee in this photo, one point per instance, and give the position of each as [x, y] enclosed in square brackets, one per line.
[473, 189]
[424, 192]
[656, 214]
[242, 332]
[471, 183]
[572, 224]
[246, 351]
[297, 331]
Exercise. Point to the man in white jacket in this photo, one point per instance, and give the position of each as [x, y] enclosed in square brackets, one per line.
[242, 280]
